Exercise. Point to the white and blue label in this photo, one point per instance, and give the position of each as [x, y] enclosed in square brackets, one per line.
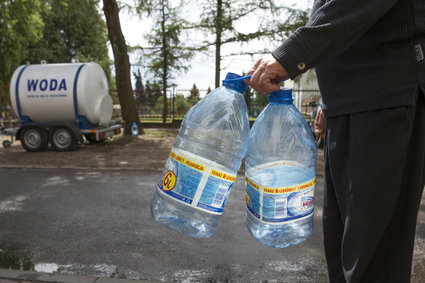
[278, 205]
[196, 182]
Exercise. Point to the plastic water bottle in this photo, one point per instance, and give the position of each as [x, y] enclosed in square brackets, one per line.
[280, 174]
[134, 130]
[204, 162]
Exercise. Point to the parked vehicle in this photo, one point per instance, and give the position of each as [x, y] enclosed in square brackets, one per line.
[59, 104]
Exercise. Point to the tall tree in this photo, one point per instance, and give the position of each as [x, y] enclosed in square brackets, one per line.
[220, 17]
[165, 53]
[139, 89]
[153, 92]
[194, 92]
[194, 95]
[74, 29]
[122, 66]
[20, 26]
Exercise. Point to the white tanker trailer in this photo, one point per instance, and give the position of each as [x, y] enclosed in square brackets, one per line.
[59, 103]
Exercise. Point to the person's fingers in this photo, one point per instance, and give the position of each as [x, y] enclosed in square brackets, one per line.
[254, 67]
[266, 83]
[260, 84]
[258, 63]
[267, 74]
[320, 123]
[256, 75]
[273, 87]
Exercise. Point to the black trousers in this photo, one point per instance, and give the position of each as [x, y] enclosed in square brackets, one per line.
[374, 180]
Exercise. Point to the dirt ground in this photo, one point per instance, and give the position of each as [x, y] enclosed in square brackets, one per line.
[148, 152]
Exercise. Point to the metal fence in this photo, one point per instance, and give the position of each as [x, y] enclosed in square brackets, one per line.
[151, 104]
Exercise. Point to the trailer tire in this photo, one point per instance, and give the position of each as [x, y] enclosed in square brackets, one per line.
[34, 139]
[62, 139]
[6, 144]
[91, 138]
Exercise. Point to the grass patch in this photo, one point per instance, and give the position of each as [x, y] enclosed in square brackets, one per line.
[160, 133]
[122, 139]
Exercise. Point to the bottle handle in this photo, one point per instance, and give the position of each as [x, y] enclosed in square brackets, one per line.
[238, 79]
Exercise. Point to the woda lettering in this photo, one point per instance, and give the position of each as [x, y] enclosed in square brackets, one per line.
[44, 84]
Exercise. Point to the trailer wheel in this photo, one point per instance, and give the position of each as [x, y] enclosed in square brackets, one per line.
[62, 139]
[91, 138]
[34, 139]
[6, 144]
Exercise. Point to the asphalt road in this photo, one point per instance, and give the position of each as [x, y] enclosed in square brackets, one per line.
[98, 224]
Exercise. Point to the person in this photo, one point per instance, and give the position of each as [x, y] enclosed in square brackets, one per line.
[319, 126]
[368, 57]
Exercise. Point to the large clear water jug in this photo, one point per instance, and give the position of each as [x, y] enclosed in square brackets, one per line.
[204, 162]
[280, 174]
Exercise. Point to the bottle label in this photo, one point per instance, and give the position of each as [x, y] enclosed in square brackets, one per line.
[196, 182]
[278, 205]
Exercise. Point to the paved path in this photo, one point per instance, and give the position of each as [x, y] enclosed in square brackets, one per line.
[96, 225]
[11, 276]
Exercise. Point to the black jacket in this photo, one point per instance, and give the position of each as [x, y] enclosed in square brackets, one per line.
[368, 54]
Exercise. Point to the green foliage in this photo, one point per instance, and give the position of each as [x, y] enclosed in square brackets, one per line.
[74, 29]
[182, 104]
[295, 18]
[139, 82]
[151, 93]
[221, 16]
[166, 55]
[20, 26]
[194, 95]
[139, 89]
[194, 92]
[259, 102]
[155, 89]
[159, 106]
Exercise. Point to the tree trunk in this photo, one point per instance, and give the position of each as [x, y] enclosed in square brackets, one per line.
[218, 32]
[164, 64]
[122, 66]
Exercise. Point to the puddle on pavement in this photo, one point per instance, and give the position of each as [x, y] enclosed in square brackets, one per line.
[46, 267]
[20, 258]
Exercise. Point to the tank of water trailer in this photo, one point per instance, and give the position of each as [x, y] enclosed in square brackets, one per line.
[57, 93]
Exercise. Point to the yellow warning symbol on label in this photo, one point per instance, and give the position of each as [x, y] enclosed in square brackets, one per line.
[169, 181]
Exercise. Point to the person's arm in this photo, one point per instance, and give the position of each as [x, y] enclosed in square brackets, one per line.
[330, 30]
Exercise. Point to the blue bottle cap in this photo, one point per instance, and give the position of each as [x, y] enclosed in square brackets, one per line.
[283, 96]
[235, 82]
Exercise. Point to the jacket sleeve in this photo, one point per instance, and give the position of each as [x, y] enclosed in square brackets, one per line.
[333, 26]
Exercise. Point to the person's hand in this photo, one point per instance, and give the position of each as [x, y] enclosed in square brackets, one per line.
[267, 74]
[319, 126]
